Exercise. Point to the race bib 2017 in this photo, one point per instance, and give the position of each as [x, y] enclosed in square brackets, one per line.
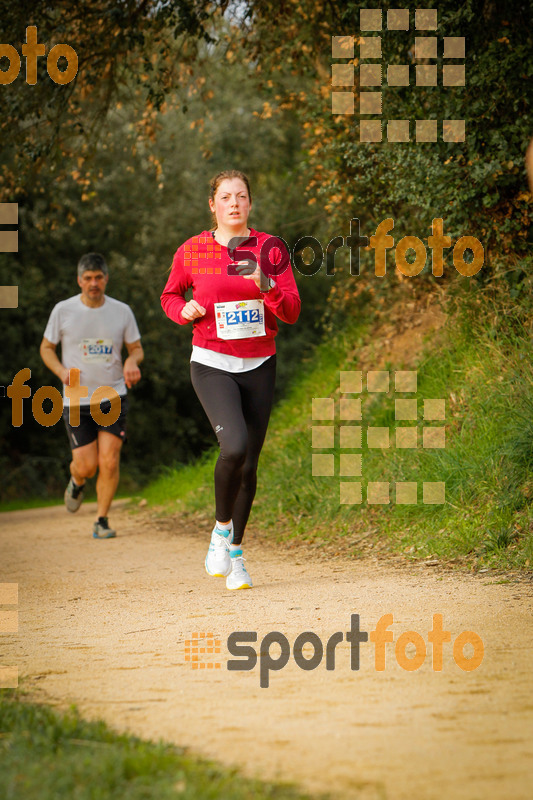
[96, 349]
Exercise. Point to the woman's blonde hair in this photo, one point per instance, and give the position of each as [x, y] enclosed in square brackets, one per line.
[227, 174]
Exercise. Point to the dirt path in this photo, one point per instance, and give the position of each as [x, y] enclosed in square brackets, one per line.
[104, 625]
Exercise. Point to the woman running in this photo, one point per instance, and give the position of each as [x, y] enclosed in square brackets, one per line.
[241, 281]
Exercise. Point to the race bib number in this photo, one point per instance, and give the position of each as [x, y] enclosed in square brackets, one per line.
[240, 319]
[97, 350]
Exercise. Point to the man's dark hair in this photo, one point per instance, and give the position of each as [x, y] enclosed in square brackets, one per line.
[93, 262]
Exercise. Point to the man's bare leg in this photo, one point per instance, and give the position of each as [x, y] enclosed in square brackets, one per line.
[109, 447]
[83, 465]
[84, 462]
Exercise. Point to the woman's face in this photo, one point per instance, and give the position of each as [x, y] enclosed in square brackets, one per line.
[231, 205]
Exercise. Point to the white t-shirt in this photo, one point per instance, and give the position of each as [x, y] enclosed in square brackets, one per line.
[92, 339]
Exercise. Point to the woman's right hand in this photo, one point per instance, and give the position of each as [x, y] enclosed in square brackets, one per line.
[192, 310]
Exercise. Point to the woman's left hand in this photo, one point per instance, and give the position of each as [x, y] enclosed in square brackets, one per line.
[245, 270]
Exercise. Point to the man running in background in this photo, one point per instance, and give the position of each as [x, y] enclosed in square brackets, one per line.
[92, 329]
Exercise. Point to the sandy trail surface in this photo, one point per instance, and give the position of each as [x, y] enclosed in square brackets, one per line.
[104, 624]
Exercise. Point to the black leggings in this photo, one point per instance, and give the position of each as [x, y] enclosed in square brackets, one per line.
[238, 406]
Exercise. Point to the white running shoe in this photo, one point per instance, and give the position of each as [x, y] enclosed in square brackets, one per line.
[217, 560]
[238, 578]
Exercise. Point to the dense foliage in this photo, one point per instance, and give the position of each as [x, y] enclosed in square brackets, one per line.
[168, 93]
[140, 193]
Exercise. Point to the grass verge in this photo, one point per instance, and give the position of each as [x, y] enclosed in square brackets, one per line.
[23, 503]
[51, 756]
[481, 365]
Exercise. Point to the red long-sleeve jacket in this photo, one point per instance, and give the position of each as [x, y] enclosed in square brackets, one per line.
[202, 263]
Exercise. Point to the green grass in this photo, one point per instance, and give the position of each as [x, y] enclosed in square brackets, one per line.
[482, 365]
[186, 488]
[49, 756]
[23, 503]
[31, 502]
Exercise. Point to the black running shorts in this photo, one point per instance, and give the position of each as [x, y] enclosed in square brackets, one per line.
[87, 431]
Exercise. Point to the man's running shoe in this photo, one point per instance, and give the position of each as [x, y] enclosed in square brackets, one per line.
[74, 496]
[238, 578]
[102, 530]
[217, 560]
